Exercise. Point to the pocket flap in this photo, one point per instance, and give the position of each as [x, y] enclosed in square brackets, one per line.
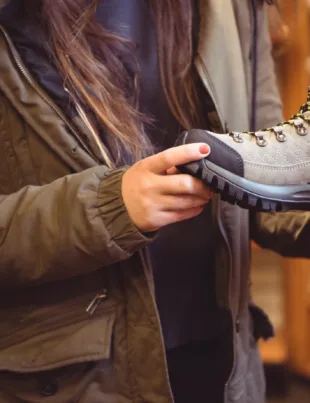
[87, 340]
[262, 327]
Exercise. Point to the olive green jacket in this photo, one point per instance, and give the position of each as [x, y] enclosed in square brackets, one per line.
[76, 285]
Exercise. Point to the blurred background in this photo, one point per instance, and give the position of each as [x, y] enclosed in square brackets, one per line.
[282, 286]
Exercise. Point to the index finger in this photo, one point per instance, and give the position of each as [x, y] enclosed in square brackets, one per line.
[163, 161]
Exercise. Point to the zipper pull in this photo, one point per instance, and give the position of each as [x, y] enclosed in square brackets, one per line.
[96, 301]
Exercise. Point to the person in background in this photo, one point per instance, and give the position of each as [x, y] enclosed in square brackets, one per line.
[121, 279]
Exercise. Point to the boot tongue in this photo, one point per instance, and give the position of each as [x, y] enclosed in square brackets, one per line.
[306, 107]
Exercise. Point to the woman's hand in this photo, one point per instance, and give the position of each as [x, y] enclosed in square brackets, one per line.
[155, 194]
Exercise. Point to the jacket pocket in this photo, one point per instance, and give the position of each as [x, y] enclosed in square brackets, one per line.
[58, 363]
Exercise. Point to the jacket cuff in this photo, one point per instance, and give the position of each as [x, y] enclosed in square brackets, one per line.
[114, 214]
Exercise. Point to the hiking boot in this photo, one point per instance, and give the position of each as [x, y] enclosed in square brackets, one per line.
[267, 170]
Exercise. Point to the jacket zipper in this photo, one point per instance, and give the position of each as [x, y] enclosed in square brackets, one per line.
[30, 81]
[101, 296]
[202, 74]
[234, 320]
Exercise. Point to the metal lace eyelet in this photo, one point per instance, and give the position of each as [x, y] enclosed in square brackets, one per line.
[261, 141]
[237, 137]
[281, 137]
[302, 131]
[300, 127]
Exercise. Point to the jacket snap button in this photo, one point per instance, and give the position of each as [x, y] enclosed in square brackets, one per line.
[50, 389]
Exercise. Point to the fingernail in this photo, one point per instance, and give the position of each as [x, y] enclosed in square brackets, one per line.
[204, 150]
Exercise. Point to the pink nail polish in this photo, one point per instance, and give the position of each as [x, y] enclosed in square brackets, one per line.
[204, 149]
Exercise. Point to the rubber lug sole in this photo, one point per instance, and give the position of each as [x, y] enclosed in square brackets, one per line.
[247, 194]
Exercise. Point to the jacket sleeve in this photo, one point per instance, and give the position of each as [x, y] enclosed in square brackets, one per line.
[285, 233]
[74, 225]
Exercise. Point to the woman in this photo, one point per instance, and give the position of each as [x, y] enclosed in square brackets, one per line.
[101, 299]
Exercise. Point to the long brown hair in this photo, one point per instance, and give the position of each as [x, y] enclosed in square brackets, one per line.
[91, 59]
